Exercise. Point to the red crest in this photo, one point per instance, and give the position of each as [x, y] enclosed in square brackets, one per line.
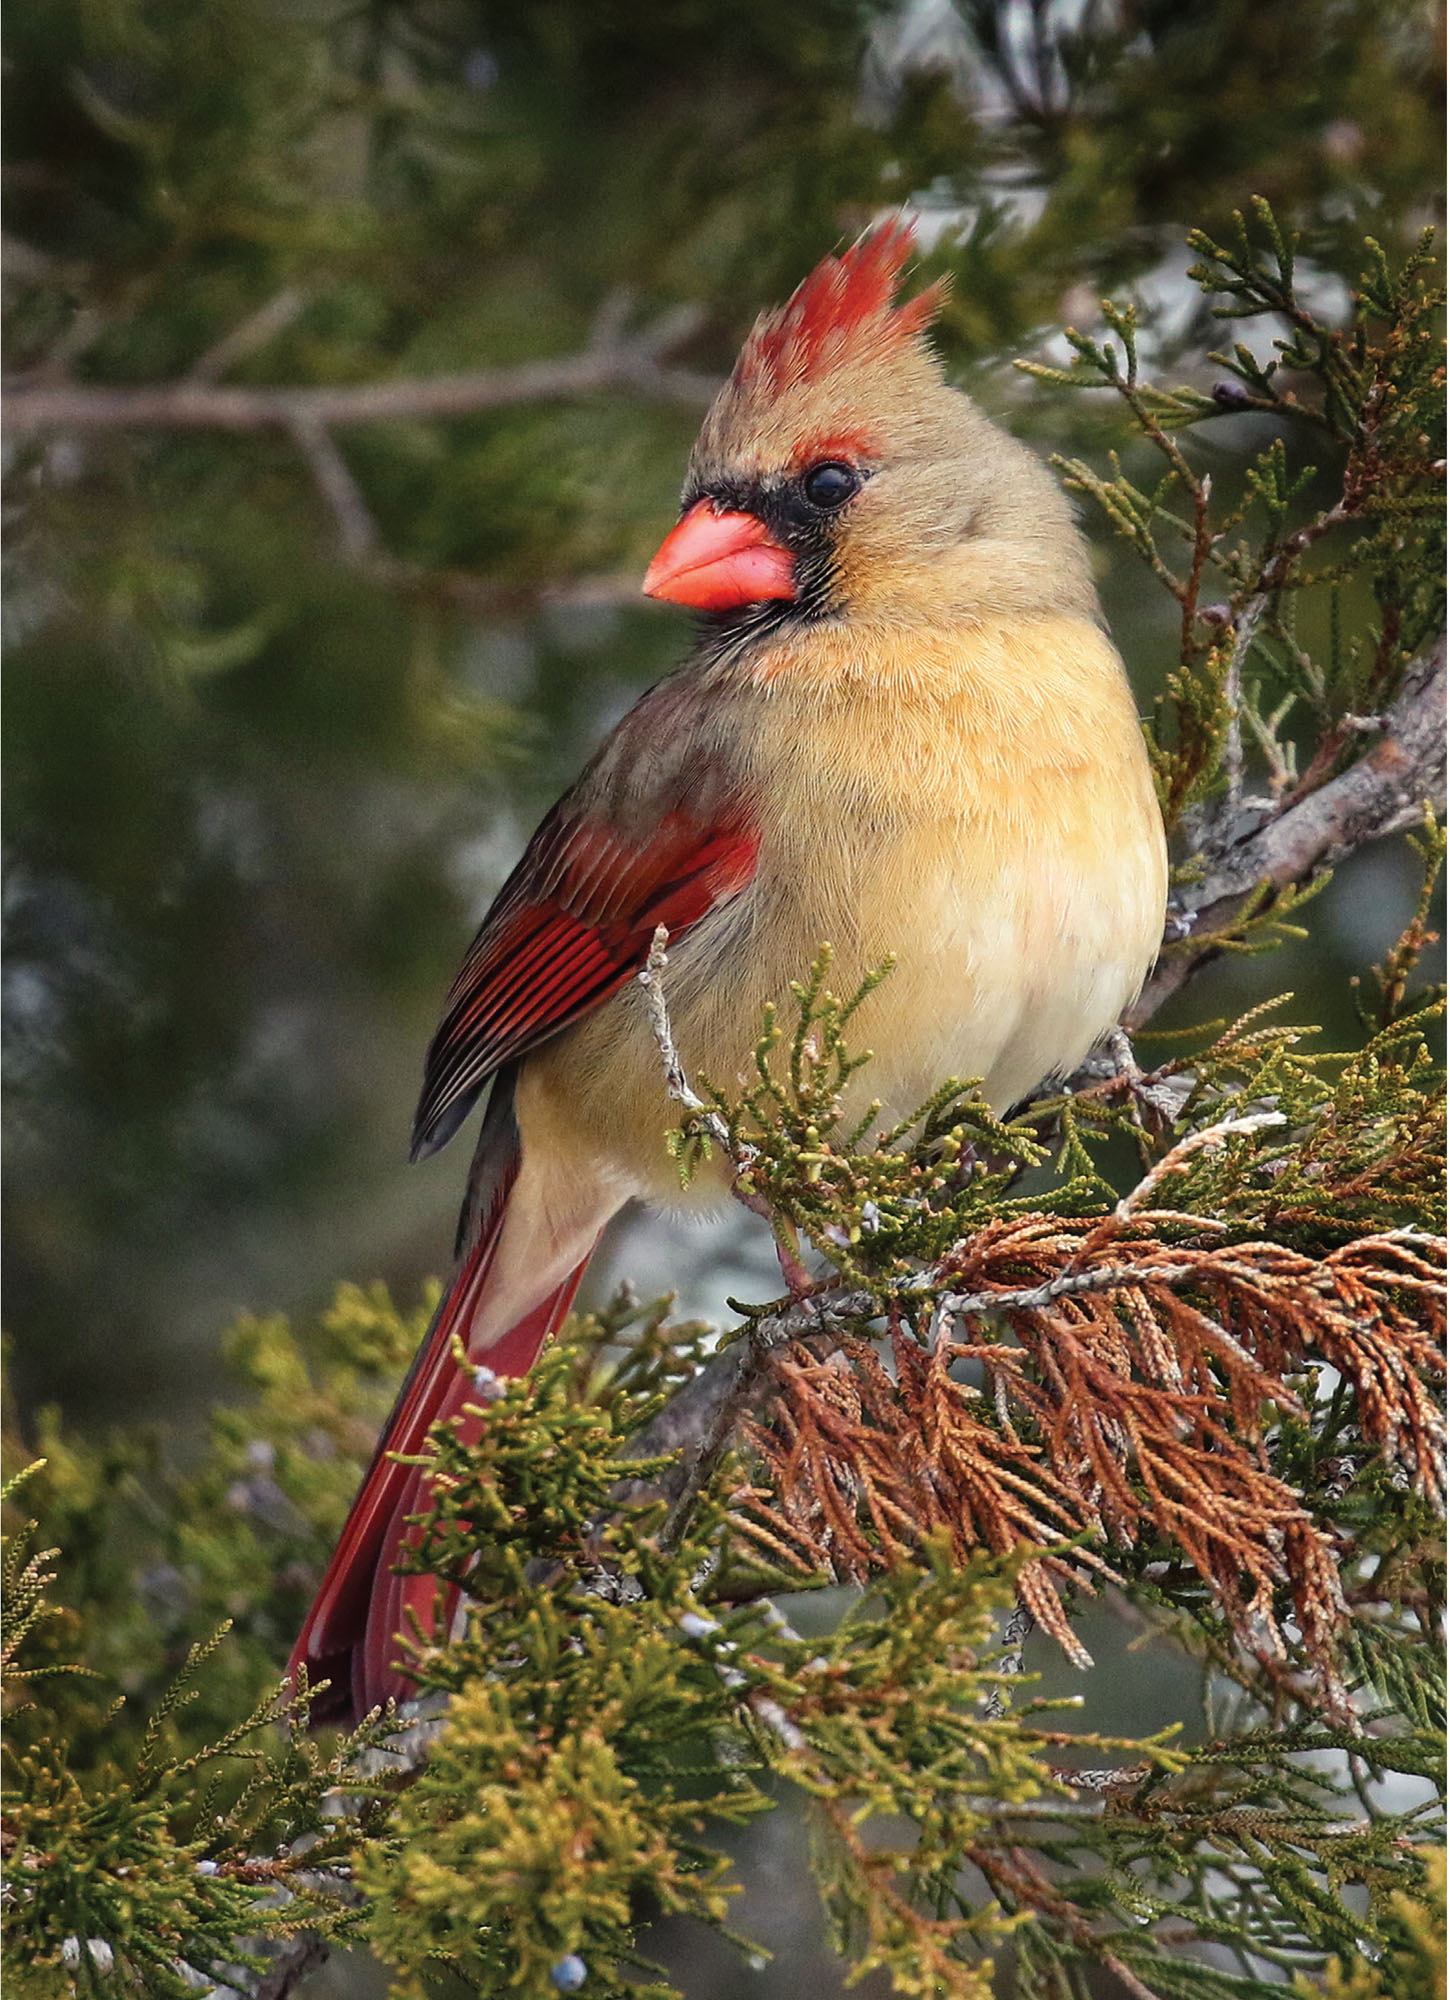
[843, 311]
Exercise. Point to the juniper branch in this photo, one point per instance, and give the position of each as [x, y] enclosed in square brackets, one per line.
[700, 1421]
[1383, 793]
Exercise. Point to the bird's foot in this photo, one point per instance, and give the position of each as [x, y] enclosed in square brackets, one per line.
[1162, 1097]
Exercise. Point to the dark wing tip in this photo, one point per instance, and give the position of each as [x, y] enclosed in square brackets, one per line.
[433, 1128]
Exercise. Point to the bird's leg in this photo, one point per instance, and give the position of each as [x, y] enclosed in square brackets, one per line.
[1125, 1063]
[787, 1250]
[1162, 1097]
[798, 1279]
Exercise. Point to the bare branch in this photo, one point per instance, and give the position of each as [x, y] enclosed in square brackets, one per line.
[741, 1381]
[201, 402]
[612, 320]
[194, 404]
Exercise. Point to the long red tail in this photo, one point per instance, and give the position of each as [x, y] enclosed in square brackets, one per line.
[349, 1637]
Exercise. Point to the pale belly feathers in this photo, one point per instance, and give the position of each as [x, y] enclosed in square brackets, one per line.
[1010, 854]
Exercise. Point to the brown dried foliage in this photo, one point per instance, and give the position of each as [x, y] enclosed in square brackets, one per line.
[1130, 1399]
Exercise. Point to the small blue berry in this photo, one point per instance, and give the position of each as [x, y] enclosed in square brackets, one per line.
[570, 1973]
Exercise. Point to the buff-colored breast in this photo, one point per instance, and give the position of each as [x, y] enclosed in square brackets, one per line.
[976, 802]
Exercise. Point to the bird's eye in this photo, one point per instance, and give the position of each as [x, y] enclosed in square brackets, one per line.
[831, 484]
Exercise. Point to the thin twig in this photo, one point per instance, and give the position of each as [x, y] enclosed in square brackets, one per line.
[357, 532]
[251, 336]
[677, 1083]
[1245, 627]
[1017, 1629]
[1203, 541]
[1247, 616]
[743, 1385]
[739, 1152]
[1132, 1984]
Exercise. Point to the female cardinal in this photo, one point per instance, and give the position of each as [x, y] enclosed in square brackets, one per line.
[901, 728]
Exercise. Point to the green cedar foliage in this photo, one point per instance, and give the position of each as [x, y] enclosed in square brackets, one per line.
[1243, 577]
[162, 1863]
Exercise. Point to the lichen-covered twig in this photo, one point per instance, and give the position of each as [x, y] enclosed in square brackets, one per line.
[677, 1083]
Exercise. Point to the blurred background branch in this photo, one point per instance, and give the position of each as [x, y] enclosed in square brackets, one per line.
[199, 401]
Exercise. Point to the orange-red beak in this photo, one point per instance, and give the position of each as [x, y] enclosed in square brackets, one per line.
[716, 562]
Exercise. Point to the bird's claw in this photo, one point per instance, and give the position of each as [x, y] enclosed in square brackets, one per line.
[1163, 1096]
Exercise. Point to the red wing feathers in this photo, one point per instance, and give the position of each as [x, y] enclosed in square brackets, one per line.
[570, 926]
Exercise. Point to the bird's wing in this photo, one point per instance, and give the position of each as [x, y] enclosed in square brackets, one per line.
[572, 923]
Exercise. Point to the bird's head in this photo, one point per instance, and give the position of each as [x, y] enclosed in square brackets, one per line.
[838, 474]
